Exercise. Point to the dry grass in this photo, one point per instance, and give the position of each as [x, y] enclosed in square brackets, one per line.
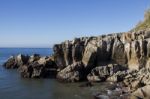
[145, 23]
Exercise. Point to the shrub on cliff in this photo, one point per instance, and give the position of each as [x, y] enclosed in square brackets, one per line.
[145, 23]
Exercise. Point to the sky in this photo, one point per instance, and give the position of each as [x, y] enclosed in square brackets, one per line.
[42, 23]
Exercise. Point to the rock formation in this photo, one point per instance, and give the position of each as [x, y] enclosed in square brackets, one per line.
[33, 66]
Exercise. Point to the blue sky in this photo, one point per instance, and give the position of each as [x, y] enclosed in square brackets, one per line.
[42, 23]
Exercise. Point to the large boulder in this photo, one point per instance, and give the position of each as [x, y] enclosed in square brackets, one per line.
[72, 73]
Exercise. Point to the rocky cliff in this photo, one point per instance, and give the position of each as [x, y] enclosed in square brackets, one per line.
[130, 50]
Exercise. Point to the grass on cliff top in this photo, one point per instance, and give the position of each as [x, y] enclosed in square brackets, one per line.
[143, 25]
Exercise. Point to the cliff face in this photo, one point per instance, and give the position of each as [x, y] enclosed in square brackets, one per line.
[131, 50]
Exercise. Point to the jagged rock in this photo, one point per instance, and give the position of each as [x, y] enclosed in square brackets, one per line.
[68, 52]
[101, 73]
[10, 63]
[72, 73]
[15, 62]
[42, 68]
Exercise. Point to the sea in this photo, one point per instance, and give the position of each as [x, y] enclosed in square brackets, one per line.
[12, 86]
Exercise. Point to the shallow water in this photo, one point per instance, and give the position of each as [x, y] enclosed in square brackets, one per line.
[12, 86]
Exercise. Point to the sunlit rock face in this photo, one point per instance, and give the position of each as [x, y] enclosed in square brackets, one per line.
[131, 50]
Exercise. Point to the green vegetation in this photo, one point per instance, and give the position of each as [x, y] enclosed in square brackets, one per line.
[145, 23]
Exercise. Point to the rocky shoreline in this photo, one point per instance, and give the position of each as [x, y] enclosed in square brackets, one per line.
[122, 58]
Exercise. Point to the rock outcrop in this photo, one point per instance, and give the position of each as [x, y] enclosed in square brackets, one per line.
[33, 66]
[15, 61]
[129, 50]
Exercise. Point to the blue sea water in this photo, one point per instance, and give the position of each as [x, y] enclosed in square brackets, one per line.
[12, 86]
